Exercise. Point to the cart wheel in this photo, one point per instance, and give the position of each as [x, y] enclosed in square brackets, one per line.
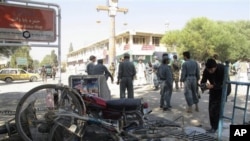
[39, 107]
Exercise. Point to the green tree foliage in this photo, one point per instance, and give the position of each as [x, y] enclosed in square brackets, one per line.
[8, 50]
[22, 52]
[54, 58]
[204, 38]
[50, 59]
[171, 39]
[36, 64]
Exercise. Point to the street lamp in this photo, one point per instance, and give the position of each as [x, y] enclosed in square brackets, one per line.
[167, 26]
[112, 8]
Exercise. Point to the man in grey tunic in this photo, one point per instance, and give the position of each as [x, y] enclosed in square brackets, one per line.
[190, 74]
[100, 69]
[126, 74]
[90, 65]
[166, 84]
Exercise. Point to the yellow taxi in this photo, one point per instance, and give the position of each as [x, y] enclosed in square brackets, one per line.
[11, 74]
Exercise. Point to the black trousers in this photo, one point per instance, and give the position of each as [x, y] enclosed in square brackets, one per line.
[126, 83]
[214, 108]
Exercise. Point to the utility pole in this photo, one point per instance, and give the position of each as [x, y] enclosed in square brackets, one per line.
[112, 8]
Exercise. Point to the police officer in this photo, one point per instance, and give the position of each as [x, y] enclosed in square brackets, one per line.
[214, 73]
[100, 69]
[91, 64]
[166, 83]
[190, 74]
[126, 74]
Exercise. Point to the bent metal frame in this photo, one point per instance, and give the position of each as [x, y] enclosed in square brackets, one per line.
[29, 23]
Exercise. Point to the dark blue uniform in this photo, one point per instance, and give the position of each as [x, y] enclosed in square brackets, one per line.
[100, 69]
[126, 74]
[89, 68]
[166, 84]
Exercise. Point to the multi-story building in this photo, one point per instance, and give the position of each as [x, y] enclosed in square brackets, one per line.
[139, 44]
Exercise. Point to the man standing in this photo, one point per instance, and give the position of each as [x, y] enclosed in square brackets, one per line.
[112, 69]
[166, 84]
[190, 74]
[214, 73]
[44, 74]
[156, 65]
[90, 65]
[176, 66]
[141, 71]
[126, 74]
[100, 69]
[54, 69]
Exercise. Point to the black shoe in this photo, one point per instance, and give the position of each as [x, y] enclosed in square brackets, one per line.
[161, 106]
[211, 131]
[166, 109]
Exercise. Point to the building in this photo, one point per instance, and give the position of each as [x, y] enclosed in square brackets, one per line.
[139, 44]
[4, 61]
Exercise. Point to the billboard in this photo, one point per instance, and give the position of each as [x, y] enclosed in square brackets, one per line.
[26, 23]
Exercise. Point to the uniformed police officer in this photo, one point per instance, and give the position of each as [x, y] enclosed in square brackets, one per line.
[166, 83]
[126, 74]
[100, 69]
[190, 74]
[90, 65]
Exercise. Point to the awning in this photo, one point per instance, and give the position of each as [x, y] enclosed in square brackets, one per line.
[159, 54]
[142, 52]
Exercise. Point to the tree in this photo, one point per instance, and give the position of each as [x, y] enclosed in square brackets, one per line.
[171, 39]
[50, 59]
[7, 51]
[71, 47]
[36, 64]
[204, 38]
[22, 52]
[54, 58]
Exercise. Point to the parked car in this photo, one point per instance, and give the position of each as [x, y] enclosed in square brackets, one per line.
[12, 74]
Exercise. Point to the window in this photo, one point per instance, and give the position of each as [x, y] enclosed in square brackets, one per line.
[126, 40]
[156, 41]
[5, 72]
[139, 40]
[22, 72]
[13, 72]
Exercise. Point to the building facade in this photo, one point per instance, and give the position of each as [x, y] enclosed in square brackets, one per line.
[139, 44]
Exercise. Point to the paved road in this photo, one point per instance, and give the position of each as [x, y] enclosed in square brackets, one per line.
[11, 93]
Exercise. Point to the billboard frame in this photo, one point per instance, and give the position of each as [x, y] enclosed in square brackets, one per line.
[49, 44]
[32, 23]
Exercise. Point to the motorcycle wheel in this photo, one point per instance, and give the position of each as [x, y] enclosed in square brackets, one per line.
[39, 107]
[133, 120]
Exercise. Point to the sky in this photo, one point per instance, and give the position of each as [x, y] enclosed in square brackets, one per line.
[79, 18]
